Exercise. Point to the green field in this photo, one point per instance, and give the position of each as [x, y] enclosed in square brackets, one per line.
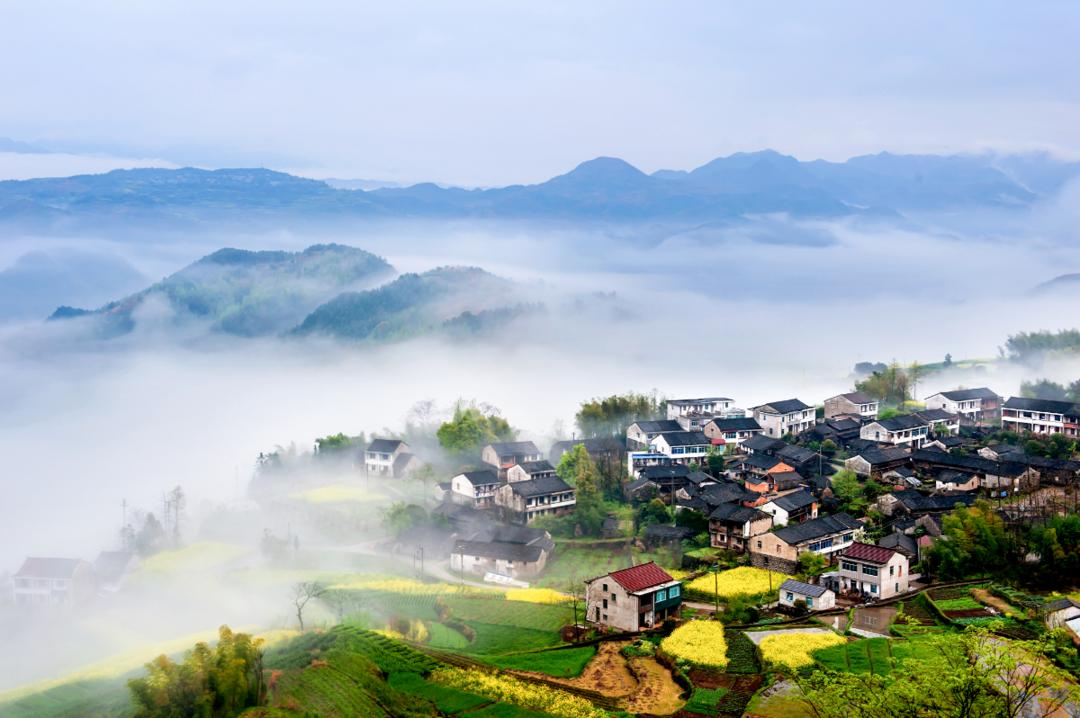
[870, 655]
[562, 663]
[572, 565]
[704, 700]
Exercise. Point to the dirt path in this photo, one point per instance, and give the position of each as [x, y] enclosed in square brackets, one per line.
[658, 693]
[606, 673]
[983, 596]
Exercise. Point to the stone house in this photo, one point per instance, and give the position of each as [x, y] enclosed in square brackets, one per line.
[854, 403]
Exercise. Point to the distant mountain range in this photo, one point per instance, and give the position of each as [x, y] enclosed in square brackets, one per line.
[325, 290]
[604, 189]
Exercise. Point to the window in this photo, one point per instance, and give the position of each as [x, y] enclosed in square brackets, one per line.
[849, 566]
[873, 588]
[673, 592]
[661, 595]
[759, 544]
[603, 586]
[605, 603]
[896, 587]
[605, 618]
[790, 596]
[848, 538]
[809, 601]
[892, 570]
[870, 570]
[613, 597]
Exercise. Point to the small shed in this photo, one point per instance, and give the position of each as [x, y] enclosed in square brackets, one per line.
[816, 598]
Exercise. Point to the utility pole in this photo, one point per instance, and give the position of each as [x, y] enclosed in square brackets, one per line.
[715, 568]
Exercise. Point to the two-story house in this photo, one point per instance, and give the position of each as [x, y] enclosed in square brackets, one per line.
[872, 571]
[875, 463]
[475, 488]
[514, 551]
[973, 406]
[711, 406]
[793, 508]
[780, 549]
[524, 501]
[530, 470]
[506, 454]
[682, 447]
[941, 422]
[732, 526]
[641, 433]
[53, 582]
[1041, 416]
[389, 457]
[780, 418]
[855, 403]
[634, 598]
[904, 430]
[732, 432]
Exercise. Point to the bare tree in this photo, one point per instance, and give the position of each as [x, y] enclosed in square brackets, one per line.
[302, 594]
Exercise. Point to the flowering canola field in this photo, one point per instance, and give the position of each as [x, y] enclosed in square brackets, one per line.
[742, 581]
[520, 693]
[793, 649]
[699, 642]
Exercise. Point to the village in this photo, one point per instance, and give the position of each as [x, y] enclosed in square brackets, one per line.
[799, 527]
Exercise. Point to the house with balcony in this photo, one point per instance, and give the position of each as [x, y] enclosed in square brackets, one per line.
[632, 599]
[855, 403]
[523, 501]
[1040, 416]
[53, 582]
[875, 463]
[475, 488]
[732, 526]
[731, 433]
[973, 406]
[779, 550]
[872, 571]
[682, 447]
[941, 422]
[793, 508]
[903, 430]
[706, 407]
[780, 418]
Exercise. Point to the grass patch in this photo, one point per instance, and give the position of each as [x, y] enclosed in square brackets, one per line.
[966, 603]
[505, 710]
[564, 663]
[741, 653]
[447, 700]
[337, 494]
[537, 616]
[200, 556]
[705, 700]
[440, 636]
[496, 639]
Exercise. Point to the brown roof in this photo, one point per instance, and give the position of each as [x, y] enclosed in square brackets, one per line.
[638, 578]
[868, 552]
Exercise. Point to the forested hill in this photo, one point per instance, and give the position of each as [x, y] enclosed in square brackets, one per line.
[605, 188]
[241, 292]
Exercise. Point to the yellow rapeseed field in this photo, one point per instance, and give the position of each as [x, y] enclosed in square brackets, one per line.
[531, 696]
[336, 494]
[793, 649]
[536, 595]
[407, 586]
[700, 642]
[742, 581]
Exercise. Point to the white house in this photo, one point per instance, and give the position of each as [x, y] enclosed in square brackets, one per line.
[53, 581]
[906, 430]
[475, 488]
[779, 418]
[506, 454]
[388, 457]
[816, 598]
[641, 433]
[976, 406]
[530, 470]
[733, 432]
[711, 406]
[1041, 416]
[794, 507]
[940, 421]
[873, 571]
[682, 446]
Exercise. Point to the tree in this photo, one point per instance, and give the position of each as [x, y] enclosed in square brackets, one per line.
[1044, 389]
[303, 592]
[609, 416]
[470, 429]
[812, 564]
[849, 491]
[151, 537]
[968, 675]
[976, 543]
[891, 385]
[176, 501]
[1057, 544]
[714, 461]
[589, 510]
[219, 682]
[400, 517]
[653, 512]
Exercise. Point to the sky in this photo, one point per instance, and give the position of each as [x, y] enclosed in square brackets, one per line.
[490, 93]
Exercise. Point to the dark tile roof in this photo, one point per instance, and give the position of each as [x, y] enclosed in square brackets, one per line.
[868, 552]
[384, 446]
[1059, 605]
[402, 461]
[724, 493]
[641, 577]
[536, 467]
[638, 484]
[798, 454]
[858, 397]
[786, 480]
[702, 400]
[916, 502]
[540, 487]
[786, 406]
[483, 477]
[658, 427]
[736, 513]
[900, 542]
[936, 415]
[111, 565]
[973, 462]
[885, 455]
[817, 528]
[901, 423]
[699, 477]
[760, 461]
[1044, 405]
[667, 533]
[969, 394]
[514, 448]
[664, 473]
[37, 567]
[759, 443]
[803, 589]
[794, 501]
[499, 550]
[736, 424]
[685, 438]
